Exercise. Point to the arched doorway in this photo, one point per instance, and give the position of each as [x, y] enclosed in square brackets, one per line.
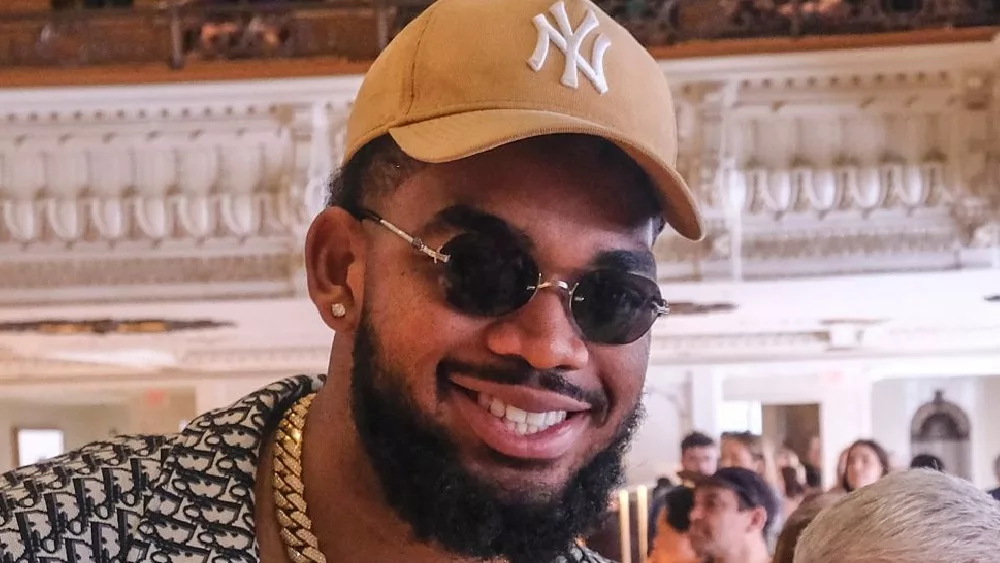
[941, 428]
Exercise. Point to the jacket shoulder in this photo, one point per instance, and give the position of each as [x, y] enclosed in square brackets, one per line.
[57, 509]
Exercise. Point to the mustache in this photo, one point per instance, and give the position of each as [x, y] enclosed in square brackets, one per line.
[520, 372]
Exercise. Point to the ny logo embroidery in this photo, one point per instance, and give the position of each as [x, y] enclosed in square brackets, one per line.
[569, 41]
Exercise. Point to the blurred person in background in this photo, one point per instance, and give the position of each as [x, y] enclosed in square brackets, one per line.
[793, 479]
[699, 459]
[672, 543]
[794, 489]
[784, 551]
[912, 516]
[814, 463]
[841, 471]
[732, 517]
[927, 461]
[751, 451]
[699, 456]
[866, 463]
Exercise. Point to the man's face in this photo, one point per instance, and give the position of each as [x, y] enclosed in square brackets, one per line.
[718, 526]
[700, 459]
[520, 411]
[735, 454]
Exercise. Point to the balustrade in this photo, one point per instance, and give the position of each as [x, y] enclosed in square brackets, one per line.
[180, 31]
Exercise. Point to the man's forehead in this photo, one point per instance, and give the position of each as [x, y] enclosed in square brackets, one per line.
[524, 188]
[714, 492]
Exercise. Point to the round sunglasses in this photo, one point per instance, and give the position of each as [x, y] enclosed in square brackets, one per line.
[487, 276]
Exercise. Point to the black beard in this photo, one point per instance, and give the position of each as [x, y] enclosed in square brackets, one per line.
[424, 481]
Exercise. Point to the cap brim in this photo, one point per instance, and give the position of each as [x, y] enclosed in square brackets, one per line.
[461, 135]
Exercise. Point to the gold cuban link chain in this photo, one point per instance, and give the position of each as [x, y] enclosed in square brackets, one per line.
[289, 491]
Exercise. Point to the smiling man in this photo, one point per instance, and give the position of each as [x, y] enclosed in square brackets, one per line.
[485, 263]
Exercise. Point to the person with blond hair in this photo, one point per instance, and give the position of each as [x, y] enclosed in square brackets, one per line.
[913, 516]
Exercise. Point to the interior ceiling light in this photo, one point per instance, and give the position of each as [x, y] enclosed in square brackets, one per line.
[110, 326]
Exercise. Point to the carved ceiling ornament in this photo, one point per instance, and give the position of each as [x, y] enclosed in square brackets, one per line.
[109, 326]
[809, 170]
[801, 170]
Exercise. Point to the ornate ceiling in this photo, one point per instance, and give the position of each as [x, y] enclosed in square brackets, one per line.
[851, 198]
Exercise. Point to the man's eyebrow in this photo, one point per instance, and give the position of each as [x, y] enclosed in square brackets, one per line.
[467, 218]
[639, 261]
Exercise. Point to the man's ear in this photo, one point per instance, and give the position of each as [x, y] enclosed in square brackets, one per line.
[758, 519]
[335, 267]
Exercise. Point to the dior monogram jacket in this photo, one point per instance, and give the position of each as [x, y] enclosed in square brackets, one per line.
[181, 498]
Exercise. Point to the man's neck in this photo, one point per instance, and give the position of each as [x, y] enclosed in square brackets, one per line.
[753, 551]
[349, 516]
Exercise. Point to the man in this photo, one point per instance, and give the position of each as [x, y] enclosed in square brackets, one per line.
[699, 456]
[486, 266]
[672, 542]
[912, 516]
[927, 461]
[699, 459]
[732, 516]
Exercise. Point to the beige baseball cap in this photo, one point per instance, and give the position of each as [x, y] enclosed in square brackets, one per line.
[468, 76]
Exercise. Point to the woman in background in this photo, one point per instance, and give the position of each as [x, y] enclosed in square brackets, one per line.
[866, 462]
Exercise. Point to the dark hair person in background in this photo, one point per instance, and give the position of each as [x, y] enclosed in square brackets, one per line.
[699, 459]
[671, 543]
[866, 462]
[927, 461]
[784, 551]
[699, 456]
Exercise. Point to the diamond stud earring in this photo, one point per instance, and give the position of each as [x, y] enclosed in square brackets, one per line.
[338, 310]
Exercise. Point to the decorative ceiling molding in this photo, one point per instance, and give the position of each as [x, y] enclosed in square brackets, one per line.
[150, 277]
[110, 326]
[880, 161]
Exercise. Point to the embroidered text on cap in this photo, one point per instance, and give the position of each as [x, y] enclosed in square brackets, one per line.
[569, 41]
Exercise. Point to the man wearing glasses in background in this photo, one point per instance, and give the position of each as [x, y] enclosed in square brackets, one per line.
[486, 265]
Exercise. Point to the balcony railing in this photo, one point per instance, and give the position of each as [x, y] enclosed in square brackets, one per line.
[356, 30]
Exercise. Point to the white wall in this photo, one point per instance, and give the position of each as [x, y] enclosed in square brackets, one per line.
[844, 400]
[895, 401]
[81, 424]
[656, 447]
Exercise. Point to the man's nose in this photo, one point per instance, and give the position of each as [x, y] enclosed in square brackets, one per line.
[542, 333]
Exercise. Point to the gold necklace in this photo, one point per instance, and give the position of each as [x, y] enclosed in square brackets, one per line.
[296, 533]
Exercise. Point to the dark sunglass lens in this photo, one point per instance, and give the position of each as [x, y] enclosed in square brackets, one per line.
[613, 307]
[487, 277]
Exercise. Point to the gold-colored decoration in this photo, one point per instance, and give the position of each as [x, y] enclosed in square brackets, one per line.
[300, 542]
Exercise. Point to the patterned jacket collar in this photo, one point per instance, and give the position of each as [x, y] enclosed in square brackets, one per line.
[202, 506]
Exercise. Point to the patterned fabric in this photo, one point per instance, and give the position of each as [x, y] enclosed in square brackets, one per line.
[182, 498]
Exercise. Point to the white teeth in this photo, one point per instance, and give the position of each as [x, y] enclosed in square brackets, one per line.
[516, 414]
[537, 418]
[518, 420]
[497, 408]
